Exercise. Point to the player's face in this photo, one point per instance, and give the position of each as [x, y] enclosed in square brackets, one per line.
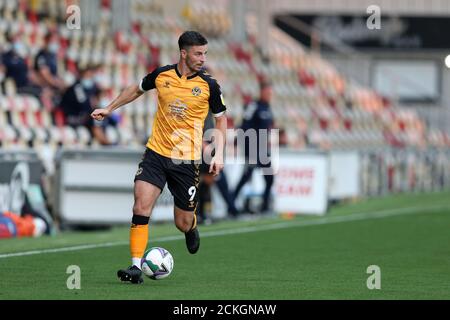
[266, 94]
[196, 57]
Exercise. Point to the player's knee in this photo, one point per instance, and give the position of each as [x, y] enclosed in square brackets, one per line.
[184, 223]
[140, 209]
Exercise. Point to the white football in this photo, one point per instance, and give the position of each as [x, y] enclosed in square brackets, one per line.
[157, 263]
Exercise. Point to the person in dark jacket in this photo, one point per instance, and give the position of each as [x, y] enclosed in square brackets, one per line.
[77, 102]
[258, 117]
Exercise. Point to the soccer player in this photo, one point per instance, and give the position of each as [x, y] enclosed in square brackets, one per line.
[173, 154]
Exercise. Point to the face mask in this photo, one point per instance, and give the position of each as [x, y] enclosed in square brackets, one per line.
[101, 80]
[20, 49]
[87, 83]
[103, 103]
[53, 47]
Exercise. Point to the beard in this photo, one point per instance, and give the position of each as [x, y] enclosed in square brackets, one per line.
[193, 67]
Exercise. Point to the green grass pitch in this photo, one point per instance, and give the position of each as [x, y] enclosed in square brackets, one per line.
[407, 236]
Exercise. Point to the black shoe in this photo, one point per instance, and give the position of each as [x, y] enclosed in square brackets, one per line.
[265, 208]
[232, 210]
[192, 240]
[132, 274]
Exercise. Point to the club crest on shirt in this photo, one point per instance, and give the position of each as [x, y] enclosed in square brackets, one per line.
[196, 91]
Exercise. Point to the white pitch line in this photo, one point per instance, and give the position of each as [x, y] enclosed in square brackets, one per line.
[64, 249]
[275, 226]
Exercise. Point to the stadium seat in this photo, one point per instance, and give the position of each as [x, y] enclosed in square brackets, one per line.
[302, 81]
[83, 136]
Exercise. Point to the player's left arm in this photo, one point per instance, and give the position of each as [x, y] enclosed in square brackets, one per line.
[218, 108]
[219, 138]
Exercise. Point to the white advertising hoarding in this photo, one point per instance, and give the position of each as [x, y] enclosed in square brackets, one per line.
[301, 183]
[97, 188]
[344, 174]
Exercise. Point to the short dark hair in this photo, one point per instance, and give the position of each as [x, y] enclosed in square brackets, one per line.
[265, 83]
[191, 38]
[82, 70]
[48, 36]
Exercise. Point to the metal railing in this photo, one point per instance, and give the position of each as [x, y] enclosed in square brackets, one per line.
[409, 170]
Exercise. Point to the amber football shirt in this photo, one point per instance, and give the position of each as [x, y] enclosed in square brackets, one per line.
[183, 104]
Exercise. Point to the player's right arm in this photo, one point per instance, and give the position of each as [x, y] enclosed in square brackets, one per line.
[128, 95]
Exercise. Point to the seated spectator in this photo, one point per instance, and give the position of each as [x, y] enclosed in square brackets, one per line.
[15, 67]
[76, 104]
[46, 64]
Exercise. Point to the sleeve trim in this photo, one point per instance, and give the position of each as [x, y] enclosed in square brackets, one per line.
[216, 115]
[140, 86]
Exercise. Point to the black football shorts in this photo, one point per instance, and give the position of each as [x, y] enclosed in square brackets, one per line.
[182, 178]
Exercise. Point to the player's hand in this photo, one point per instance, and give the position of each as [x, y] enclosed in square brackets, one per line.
[216, 165]
[207, 149]
[100, 114]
